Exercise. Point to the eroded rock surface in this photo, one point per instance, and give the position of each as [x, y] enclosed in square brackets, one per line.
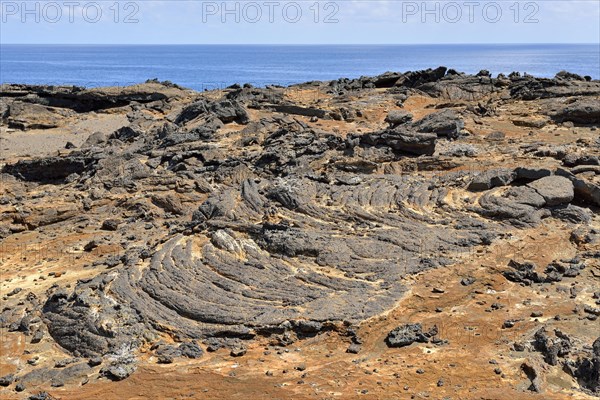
[219, 222]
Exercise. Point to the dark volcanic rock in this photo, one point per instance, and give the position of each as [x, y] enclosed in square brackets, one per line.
[85, 100]
[554, 189]
[551, 348]
[110, 225]
[226, 111]
[192, 112]
[398, 117]
[95, 139]
[581, 111]
[402, 140]
[74, 325]
[573, 214]
[526, 205]
[534, 377]
[584, 235]
[530, 123]
[210, 291]
[119, 369]
[21, 115]
[50, 169]
[489, 179]
[387, 79]
[587, 372]
[191, 350]
[530, 88]
[126, 133]
[445, 123]
[582, 364]
[525, 195]
[523, 273]
[585, 190]
[526, 272]
[7, 380]
[229, 111]
[354, 348]
[169, 203]
[41, 396]
[419, 78]
[495, 136]
[408, 334]
[296, 110]
[458, 86]
[56, 376]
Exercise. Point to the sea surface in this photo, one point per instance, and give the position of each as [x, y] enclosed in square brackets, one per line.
[215, 66]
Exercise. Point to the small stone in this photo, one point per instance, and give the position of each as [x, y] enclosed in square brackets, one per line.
[33, 361]
[407, 334]
[57, 383]
[398, 117]
[509, 323]
[469, 280]
[238, 351]
[110, 225]
[495, 136]
[14, 291]
[164, 359]
[518, 346]
[191, 350]
[119, 370]
[354, 348]
[6, 380]
[536, 314]
[90, 246]
[95, 361]
[37, 336]
[63, 363]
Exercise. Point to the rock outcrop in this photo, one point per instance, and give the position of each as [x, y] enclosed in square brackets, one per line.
[215, 220]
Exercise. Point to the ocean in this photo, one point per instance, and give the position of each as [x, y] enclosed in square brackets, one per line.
[216, 66]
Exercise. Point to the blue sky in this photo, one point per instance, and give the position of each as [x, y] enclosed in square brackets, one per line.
[299, 22]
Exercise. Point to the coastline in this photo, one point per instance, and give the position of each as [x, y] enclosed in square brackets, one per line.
[218, 66]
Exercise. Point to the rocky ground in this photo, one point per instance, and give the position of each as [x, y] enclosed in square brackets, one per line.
[426, 234]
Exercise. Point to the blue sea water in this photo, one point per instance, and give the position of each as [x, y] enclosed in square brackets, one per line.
[212, 66]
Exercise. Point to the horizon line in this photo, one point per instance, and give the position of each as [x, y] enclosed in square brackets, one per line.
[298, 44]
